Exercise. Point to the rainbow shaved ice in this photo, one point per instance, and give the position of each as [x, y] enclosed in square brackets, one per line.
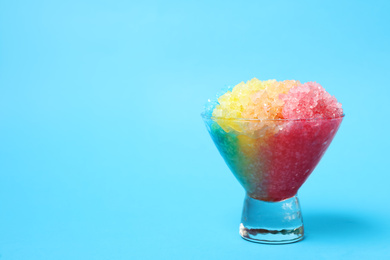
[272, 133]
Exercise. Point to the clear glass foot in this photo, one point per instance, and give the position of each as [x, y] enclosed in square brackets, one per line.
[271, 222]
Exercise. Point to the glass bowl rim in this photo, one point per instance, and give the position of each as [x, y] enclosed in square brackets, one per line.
[204, 116]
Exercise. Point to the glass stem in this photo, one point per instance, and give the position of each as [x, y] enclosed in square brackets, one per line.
[271, 222]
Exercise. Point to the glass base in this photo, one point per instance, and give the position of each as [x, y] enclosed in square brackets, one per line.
[271, 222]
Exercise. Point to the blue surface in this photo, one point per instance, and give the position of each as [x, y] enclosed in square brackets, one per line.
[103, 154]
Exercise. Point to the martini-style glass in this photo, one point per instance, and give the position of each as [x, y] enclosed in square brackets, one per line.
[272, 159]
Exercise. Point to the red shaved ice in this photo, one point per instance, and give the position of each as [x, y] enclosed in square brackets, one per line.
[310, 100]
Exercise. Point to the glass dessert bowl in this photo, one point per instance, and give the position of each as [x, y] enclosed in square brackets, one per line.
[271, 159]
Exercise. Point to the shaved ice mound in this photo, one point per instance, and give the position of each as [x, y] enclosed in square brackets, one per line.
[273, 99]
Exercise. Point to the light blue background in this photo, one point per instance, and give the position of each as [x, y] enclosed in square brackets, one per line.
[103, 154]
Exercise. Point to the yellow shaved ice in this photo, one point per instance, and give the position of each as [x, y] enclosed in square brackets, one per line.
[254, 99]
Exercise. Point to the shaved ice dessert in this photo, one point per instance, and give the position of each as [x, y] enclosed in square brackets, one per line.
[272, 133]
